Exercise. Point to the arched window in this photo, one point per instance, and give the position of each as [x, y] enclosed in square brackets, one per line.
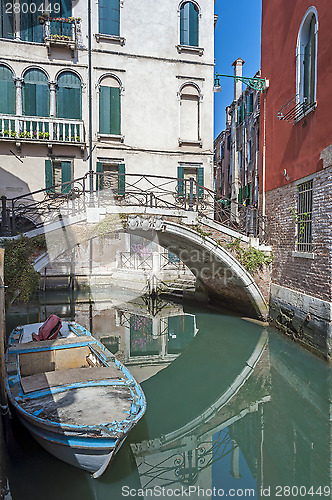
[189, 113]
[7, 91]
[189, 24]
[36, 95]
[69, 96]
[307, 60]
[109, 17]
[109, 106]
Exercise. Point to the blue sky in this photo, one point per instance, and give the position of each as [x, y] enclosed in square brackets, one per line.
[237, 34]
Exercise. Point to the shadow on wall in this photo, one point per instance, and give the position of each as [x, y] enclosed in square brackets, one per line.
[11, 185]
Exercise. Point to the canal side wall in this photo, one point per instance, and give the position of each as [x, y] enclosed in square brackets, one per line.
[301, 298]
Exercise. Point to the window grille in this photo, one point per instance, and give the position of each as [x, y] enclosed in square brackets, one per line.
[304, 217]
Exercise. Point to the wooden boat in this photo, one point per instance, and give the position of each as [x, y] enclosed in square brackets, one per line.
[73, 395]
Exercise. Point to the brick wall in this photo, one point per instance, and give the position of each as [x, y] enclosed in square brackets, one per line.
[312, 277]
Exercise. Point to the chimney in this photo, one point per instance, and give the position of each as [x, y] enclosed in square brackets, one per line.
[238, 63]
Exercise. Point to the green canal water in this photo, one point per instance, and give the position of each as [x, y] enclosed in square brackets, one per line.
[234, 409]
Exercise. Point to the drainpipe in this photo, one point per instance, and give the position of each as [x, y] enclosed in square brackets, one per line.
[264, 166]
[91, 201]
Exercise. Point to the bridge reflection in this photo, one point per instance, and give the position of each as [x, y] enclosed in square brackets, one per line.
[230, 406]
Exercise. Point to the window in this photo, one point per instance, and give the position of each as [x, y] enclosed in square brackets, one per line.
[109, 17]
[109, 107]
[114, 178]
[58, 172]
[304, 217]
[249, 150]
[36, 95]
[306, 61]
[240, 112]
[185, 173]
[189, 113]
[31, 28]
[240, 159]
[250, 103]
[6, 20]
[7, 91]
[189, 24]
[69, 96]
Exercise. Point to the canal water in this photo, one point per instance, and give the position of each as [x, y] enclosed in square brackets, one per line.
[233, 408]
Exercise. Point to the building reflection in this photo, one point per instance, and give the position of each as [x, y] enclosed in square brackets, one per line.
[225, 410]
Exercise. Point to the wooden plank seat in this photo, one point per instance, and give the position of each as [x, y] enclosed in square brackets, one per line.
[45, 380]
[54, 344]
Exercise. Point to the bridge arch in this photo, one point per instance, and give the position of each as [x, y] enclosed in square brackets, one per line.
[218, 272]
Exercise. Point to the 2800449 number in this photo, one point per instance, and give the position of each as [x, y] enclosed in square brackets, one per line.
[302, 491]
[32, 8]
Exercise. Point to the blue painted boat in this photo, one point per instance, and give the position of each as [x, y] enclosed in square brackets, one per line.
[74, 396]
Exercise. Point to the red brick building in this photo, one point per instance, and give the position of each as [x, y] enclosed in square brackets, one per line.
[296, 165]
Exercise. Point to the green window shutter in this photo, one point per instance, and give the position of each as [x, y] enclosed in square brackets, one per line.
[49, 176]
[306, 79]
[312, 74]
[65, 8]
[36, 95]
[6, 21]
[69, 96]
[200, 181]
[42, 100]
[7, 91]
[184, 26]
[109, 17]
[26, 24]
[115, 111]
[249, 193]
[310, 64]
[180, 181]
[193, 25]
[122, 179]
[99, 178]
[104, 110]
[29, 99]
[65, 176]
[60, 102]
[189, 24]
[240, 195]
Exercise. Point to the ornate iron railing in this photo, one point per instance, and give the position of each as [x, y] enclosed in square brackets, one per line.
[129, 190]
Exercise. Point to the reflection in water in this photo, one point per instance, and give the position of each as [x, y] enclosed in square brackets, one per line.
[230, 405]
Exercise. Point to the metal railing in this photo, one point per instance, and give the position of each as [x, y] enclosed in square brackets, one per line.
[35, 128]
[295, 109]
[58, 29]
[130, 190]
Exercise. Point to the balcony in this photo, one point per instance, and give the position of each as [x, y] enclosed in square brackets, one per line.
[61, 32]
[34, 129]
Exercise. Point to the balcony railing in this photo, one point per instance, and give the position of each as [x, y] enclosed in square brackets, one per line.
[61, 31]
[295, 109]
[28, 128]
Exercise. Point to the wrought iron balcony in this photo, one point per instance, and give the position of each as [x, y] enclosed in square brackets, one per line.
[61, 31]
[37, 129]
[295, 109]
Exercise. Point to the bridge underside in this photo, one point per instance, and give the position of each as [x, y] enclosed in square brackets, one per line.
[218, 273]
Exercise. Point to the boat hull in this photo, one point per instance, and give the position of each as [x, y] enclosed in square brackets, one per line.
[85, 453]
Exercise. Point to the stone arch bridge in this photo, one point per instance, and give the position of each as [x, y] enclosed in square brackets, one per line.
[178, 214]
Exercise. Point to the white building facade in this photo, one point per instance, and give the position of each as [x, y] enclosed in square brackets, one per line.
[152, 67]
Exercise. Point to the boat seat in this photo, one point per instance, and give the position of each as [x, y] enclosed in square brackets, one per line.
[54, 344]
[46, 380]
